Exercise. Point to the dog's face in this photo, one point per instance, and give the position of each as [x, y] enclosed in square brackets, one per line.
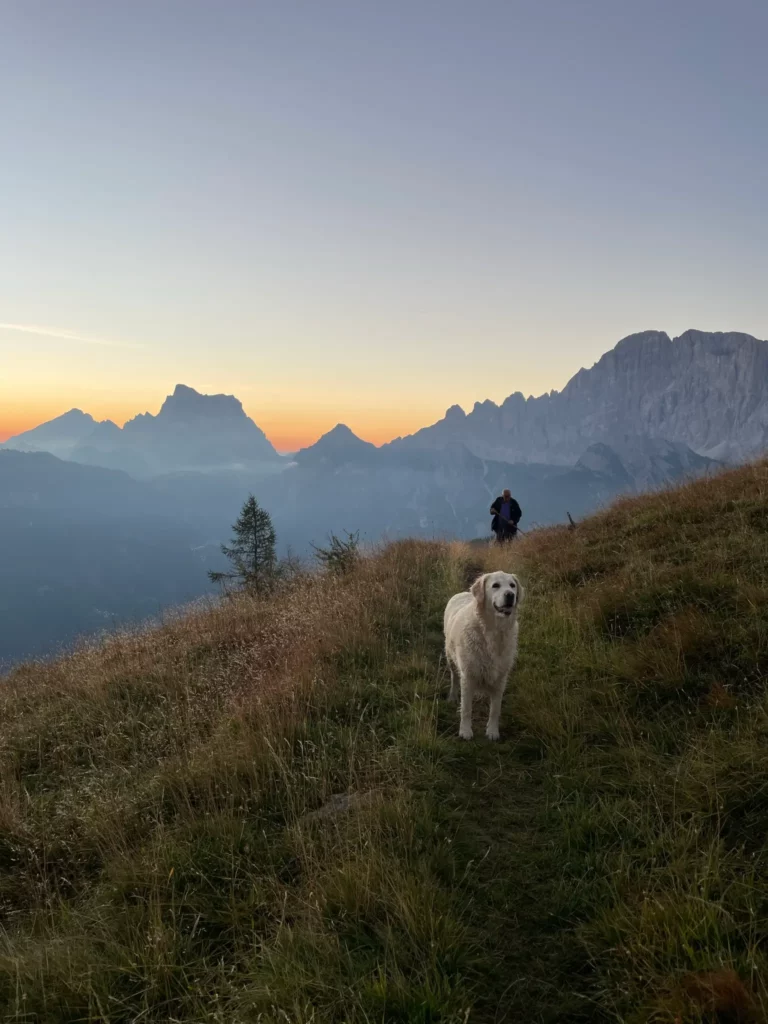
[500, 591]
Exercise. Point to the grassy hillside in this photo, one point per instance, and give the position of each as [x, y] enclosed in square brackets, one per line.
[170, 849]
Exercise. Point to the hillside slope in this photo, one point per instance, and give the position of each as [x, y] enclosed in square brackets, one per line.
[171, 848]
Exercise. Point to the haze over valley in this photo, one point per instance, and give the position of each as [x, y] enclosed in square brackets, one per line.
[102, 526]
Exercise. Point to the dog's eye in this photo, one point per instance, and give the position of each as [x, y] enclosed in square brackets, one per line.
[496, 586]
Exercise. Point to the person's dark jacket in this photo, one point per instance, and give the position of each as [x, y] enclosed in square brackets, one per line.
[515, 512]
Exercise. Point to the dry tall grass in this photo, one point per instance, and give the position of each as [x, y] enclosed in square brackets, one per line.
[162, 858]
[158, 860]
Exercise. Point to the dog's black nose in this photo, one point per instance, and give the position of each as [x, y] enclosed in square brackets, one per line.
[509, 599]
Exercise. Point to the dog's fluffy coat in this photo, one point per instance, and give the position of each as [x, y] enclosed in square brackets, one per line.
[481, 644]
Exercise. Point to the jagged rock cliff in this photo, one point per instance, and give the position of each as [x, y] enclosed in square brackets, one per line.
[191, 431]
[199, 431]
[706, 390]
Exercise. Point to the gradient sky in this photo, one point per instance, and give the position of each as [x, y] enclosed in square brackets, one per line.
[368, 211]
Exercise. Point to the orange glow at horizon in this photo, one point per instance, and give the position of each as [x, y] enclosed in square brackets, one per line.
[288, 435]
[18, 416]
[294, 406]
[286, 431]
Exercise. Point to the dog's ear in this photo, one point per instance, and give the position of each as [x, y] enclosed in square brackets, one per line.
[477, 590]
[520, 592]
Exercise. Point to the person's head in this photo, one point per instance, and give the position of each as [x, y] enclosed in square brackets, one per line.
[506, 494]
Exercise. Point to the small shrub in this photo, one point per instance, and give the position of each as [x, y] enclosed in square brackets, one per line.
[341, 556]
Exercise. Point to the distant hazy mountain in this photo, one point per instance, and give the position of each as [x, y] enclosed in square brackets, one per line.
[338, 447]
[191, 431]
[708, 391]
[644, 463]
[199, 431]
[59, 436]
[447, 491]
[38, 480]
[85, 549]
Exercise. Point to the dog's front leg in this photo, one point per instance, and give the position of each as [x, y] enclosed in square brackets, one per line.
[467, 697]
[453, 693]
[492, 729]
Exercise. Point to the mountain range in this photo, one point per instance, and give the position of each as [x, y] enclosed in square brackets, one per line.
[101, 525]
[708, 391]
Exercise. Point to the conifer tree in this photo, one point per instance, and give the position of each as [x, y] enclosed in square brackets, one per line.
[252, 551]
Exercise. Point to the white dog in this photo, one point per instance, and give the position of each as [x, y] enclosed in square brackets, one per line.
[481, 644]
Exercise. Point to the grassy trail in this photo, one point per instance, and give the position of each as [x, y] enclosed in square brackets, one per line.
[494, 801]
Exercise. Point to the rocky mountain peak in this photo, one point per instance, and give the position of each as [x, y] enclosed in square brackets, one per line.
[341, 432]
[74, 416]
[186, 404]
[455, 414]
[337, 445]
[57, 435]
[708, 391]
[485, 408]
[642, 340]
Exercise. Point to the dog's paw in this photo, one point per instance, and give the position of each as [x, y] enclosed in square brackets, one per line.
[492, 733]
[465, 732]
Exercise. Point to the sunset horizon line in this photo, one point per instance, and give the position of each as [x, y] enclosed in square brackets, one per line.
[289, 426]
[284, 442]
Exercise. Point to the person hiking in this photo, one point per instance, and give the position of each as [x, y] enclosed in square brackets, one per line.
[506, 515]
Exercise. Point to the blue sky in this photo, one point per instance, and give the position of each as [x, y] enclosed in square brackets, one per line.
[367, 211]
